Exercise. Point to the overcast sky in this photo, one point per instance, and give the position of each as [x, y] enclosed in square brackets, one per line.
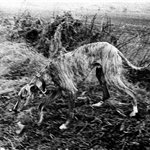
[48, 3]
[11, 3]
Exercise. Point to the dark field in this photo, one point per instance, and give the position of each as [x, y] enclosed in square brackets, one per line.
[108, 127]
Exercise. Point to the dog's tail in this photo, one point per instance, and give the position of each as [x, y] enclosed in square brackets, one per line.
[128, 64]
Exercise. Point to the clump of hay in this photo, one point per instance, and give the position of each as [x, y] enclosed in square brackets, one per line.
[18, 64]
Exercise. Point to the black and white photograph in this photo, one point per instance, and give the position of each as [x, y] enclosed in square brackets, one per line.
[74, 75]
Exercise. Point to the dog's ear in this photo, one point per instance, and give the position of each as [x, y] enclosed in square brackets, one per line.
[40, 83]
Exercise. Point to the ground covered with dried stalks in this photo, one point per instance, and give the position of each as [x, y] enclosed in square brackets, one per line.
[26, 47]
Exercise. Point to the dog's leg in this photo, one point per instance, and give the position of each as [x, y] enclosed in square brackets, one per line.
[71, 112]
[101, 79]
[124, 88]
[61, 75]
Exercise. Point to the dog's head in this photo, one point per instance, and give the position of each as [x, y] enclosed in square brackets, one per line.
[27, 92]
[32, 88]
